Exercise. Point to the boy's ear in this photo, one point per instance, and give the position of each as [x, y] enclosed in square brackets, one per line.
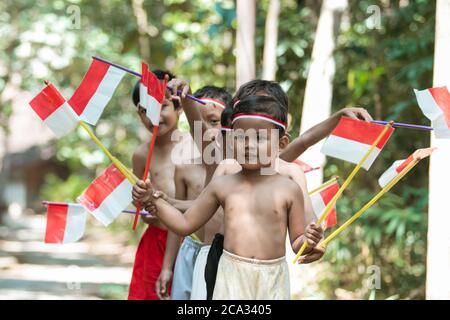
[284, 141]
[140, 110]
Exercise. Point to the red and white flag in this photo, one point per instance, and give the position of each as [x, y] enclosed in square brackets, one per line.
[65, 223]
[53, 109]
[435, 105]
[95, 90]
[397, 167]
[352, 138]
[155, 96]
[320, 200]
[305, 167]
[107, 196]
[143, 85]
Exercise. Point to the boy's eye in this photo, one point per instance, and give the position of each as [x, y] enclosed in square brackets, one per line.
[214, 122]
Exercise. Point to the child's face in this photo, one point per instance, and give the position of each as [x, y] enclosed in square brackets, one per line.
[211, 115]
[168, 120]
[256, 143]
[169, 117]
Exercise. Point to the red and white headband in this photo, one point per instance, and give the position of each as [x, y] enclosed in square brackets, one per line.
[259, 117]
[214, 102]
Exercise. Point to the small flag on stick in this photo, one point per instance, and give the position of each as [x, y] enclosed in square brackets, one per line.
[352, 138]
[95, 90]
[435, 105]
[53, 109]
[65, 222]
[107, 196]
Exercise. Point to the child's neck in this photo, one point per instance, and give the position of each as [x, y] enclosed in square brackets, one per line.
[263, 171]
[165, 139]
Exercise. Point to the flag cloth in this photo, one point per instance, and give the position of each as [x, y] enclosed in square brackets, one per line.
[155, 96]
[53, 109]
[95, 90]
[397, 167]
[321, 199]
[352, 138]
[305, 167]
[65, 223]
[435, 105]
[107, 196]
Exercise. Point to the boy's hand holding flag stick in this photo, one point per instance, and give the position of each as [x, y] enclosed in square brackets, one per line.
[324, 185]
[345, 127]
[401, 169]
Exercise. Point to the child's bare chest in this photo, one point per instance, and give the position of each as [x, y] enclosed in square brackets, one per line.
[255, 202]
[162, 171]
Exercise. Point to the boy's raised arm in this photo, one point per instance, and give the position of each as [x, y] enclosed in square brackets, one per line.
[202, 209]
[320, 131]
[191, 108]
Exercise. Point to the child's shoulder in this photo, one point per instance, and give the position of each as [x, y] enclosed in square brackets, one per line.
[141, 151]
[286, 184]
[227, 167]
[285, 166]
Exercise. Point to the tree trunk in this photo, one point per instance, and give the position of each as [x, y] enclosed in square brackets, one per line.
[245, 41]
[270, 41]
[319, 85]
[143, 28]
[438, 255]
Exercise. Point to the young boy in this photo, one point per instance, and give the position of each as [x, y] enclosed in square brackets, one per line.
[189, 182]
[258, 209]
[150, 251]
[213, 235]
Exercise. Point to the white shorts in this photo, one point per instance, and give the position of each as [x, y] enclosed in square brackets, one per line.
[240, 278]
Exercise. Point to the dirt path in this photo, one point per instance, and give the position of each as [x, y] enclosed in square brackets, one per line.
[98, 267]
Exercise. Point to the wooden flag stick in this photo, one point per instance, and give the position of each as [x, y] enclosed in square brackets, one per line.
[128, 174]
[370, 203]
[324, 185]
[147, 168]
[331, 204]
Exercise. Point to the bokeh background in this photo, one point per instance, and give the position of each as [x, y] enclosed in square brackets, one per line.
[378, 56]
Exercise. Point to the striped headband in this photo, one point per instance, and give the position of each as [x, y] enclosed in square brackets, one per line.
[237, 101]
[259, 117]
[214, 102]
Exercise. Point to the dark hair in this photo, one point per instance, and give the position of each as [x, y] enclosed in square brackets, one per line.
[264, 105]
[160, 74]
[262, 87]
[214, 93]
[226, 116]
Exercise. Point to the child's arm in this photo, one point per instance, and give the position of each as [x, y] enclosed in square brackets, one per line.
[299, 177]
[192, 110]
[298, 231]
[173, 241]
[202, 209]
[320, 131]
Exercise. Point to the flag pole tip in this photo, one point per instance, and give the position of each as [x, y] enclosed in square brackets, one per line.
[391, 123]
[46, 82]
